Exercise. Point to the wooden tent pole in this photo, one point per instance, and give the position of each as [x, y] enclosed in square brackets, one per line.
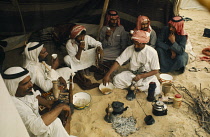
[177, 7]
[70, 89]
[106, 3]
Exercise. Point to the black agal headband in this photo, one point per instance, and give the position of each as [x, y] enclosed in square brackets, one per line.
[177, 20]
[16, 75]
[111, 13]
[34, 47]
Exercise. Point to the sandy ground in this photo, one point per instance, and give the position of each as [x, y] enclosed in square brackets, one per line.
[178, 122]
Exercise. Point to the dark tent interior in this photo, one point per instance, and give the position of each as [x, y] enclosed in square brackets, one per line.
[28, 20]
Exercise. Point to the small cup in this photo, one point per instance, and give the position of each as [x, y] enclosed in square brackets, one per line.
[54, 56]
[166, 87]
[131, 31]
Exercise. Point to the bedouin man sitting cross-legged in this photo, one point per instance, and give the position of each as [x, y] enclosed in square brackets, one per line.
[144, 64]
[171, 45]
[82, 50]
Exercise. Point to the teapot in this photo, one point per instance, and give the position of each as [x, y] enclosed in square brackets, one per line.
[118, 107]
[159, 108]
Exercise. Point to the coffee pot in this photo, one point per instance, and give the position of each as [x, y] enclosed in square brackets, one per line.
[108, 116]
[159, 108]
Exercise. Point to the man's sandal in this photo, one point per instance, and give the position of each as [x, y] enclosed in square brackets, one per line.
[207, 69]
[193, 69]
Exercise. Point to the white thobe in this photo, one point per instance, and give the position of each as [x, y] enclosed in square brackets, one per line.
[87, 58]
[29, 112]
[146, 59]
[43, 77]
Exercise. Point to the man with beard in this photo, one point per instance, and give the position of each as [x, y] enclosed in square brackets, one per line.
[26, 100]
[42, 74]
[171, 46]
[144, 64]
[113, 37]
[143, 23]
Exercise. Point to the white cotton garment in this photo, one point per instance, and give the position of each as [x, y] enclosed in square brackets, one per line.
[87, 57]
[28, 109]
[42, 74]
[147, 59]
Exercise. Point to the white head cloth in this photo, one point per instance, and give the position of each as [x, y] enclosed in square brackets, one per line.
[32, 55]
[12, 84]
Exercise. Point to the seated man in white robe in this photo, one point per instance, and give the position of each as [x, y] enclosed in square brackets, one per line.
[42, 74]
[81, 49]
[26, 100]
[83, 52]
[144, 64]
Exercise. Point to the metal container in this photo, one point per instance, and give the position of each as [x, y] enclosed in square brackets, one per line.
[159, 108]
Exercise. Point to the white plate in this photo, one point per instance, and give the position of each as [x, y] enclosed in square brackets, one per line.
[166, 77]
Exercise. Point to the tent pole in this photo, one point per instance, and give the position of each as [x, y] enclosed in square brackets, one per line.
[106, 3]
[177, 7]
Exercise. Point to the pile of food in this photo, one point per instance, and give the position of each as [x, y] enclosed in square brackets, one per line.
[81, 102]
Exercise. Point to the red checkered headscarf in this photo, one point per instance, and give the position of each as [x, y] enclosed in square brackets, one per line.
[141, 36]
[178, 23]
[112, 14]
[139, 21]
[76, 30]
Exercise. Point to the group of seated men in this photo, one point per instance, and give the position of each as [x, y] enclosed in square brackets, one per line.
[146, 53]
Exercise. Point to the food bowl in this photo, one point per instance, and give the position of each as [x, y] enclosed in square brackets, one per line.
[166, 78]
[81, 100]
[106, 89]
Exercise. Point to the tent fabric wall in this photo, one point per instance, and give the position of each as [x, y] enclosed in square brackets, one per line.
[11, 124]
[191, 4]
[38, 14]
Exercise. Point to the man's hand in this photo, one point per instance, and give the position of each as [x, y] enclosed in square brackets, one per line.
[49, 103]
[82, 45]
[62, 82]
[108, 34]
[137, 78]
[55, 63]
[50, 116]
[99, 56]
[65, 108]
[171, 37]
[99, 50]
[106, 80]
[173, 54]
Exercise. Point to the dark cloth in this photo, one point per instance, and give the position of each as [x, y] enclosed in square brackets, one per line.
[100, 72]
[164, 47]
[83, 82]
